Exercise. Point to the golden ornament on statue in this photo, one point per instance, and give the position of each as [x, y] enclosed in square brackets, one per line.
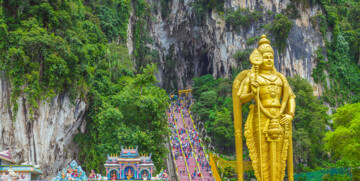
[268, 125]
[256, 57]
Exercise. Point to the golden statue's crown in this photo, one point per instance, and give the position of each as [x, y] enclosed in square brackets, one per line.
[264, 45]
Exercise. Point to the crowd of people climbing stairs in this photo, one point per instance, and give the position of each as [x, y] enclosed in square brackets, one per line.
[188, 151]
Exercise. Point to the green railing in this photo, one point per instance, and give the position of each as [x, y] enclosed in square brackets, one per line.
[338, 174]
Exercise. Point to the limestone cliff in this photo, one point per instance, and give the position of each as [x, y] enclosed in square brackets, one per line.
[208, 47]
[47, 140]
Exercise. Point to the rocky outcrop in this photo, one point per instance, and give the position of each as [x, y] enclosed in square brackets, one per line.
[208, 47]
[47, 138]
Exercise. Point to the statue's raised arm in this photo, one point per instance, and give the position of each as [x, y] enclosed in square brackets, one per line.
[268, 126]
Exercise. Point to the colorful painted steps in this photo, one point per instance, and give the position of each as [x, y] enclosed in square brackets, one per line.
[192, 160]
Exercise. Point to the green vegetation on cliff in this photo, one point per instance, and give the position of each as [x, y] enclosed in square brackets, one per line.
[280, 28]
[341, 18]
[241, 17]
[51, 47]
[78, 47]
[203, 7]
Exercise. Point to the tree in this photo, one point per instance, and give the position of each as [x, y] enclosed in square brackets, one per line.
[131, 114]
[309, 124]
[202, 84]
[214, 107]
[224, 130]
[344, 141]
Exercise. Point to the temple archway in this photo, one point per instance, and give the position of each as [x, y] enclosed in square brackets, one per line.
[114, 173]
[145, 172]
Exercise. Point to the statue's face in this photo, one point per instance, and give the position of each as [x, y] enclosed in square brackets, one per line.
[268, 61]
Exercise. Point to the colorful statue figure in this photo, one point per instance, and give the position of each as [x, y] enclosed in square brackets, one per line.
[92, 175]
[12, 174]
[144, 176]
[165, 176]
[268, 126]
[22, 177]
[63, 175]
[74, 174]
[113, 176]
[69, 172]
[129, 174]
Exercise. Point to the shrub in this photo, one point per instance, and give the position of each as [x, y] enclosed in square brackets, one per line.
[252, 40]
[242, 55]
[280, 29]
[201, 7]
[241, 17]
[291, 11]
[354, 16]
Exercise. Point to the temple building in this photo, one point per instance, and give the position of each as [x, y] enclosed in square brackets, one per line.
[72, 172]
[25, 171]
[129, 165]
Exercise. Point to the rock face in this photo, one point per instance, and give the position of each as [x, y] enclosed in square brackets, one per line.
[47, 139]
[208, 46]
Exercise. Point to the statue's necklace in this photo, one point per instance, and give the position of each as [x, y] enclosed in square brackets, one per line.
[271, 86]
[273, 80]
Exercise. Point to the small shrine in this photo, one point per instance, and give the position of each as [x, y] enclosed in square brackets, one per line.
[71, 172]
[129, 165]
[24, 171]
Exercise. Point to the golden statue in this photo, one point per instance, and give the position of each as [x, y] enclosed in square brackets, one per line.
[129, 174]
[268, 126]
